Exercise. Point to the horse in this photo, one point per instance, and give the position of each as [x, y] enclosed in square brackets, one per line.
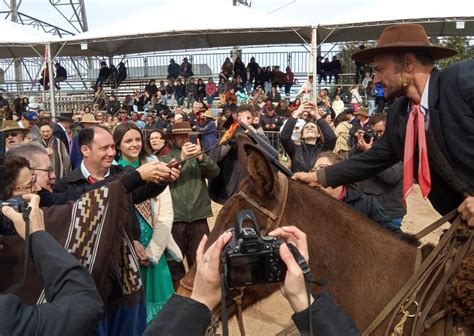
[365, 264]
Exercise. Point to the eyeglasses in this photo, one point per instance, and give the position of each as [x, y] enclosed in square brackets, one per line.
[13, 134]
[29, 187]
[50, 170]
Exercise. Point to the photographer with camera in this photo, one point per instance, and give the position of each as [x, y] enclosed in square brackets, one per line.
[191, 316]
[387, 186]
[74, 305]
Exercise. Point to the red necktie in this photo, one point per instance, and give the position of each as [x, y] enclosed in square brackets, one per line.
[416, 130]
[91, 179]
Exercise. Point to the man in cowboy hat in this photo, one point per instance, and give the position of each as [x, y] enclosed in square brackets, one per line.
[428, 99]
[14, 134]
[207, 129]
[191, 202]
[62, 127]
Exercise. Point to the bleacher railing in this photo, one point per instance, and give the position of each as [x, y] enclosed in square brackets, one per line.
[151, 65]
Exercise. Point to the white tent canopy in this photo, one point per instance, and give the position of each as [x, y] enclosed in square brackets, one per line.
[18, 41]
[220, 25]
[196, 26]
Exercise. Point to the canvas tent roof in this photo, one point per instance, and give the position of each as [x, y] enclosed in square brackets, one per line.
[18, 41]
[195, 27]
[221, 25]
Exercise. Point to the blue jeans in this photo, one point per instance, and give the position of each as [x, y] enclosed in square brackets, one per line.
[397, 222]
[210, 99]
[371, 106]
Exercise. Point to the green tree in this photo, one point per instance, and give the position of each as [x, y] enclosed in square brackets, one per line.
[460, 44]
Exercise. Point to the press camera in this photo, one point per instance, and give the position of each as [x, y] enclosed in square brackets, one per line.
[249, 258]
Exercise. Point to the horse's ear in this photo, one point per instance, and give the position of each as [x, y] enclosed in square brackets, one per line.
[259, 168]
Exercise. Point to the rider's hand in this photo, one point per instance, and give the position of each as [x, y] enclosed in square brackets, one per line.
[467, 210]
[309, 178]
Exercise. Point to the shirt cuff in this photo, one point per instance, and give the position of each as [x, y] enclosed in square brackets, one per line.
[321, 175]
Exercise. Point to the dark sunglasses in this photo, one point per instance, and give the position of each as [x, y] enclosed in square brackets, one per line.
[13, 134]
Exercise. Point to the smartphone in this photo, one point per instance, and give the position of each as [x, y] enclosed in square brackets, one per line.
[192, 138]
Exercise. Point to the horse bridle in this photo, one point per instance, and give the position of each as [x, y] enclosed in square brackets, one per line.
[274, 215]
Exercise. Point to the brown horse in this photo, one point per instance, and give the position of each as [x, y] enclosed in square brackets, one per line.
[365, 264]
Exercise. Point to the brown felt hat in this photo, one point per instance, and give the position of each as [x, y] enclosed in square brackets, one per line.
[403, 37]
[12, 125]
[182, 127]
[88, 118]
[362, 111]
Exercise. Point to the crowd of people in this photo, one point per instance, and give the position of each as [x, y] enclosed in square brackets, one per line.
[162, 147]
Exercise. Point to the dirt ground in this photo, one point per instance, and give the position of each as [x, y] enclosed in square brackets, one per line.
[273, 314]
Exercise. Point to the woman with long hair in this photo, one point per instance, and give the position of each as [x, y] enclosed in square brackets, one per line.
[156, 218]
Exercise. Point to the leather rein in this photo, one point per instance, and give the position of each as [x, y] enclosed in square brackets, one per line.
[416, 299]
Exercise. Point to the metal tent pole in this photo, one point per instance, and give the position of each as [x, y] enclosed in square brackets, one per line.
[314, 53]
[49, 61]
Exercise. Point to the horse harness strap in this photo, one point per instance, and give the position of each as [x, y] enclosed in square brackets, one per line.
[274, 215]
[273, 221]
[408, 301]
[430, 228]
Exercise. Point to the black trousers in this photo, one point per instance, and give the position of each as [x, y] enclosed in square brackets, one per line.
[187, 235]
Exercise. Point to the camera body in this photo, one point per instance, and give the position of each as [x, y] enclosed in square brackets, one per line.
[19, 204]
[249, 258]
[369, 134]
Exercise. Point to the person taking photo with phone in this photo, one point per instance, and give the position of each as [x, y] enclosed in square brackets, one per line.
[191, 201]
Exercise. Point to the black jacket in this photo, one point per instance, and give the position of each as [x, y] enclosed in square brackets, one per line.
[387, 188]
[131, 180]
[76, 180]
[303, 156]
[59, 133]
[74, 306]
[61, 72]
[185, 316]
[451, 113]
[173, 70]
[369, 207]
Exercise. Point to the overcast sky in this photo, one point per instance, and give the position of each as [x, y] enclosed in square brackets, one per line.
[100, 12]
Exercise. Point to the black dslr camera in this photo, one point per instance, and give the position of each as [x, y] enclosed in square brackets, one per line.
[249, 258]
[19, 204]
[369, 134]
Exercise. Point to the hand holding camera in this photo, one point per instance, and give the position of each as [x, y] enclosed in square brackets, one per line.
[206, 288]
[293, 288]
[247, 258]
[35, 217]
